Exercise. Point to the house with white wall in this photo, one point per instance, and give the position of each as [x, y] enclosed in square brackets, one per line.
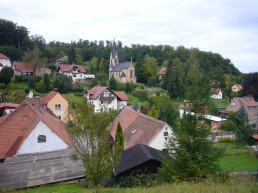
[31, 128]
[77, 72]
[4, 61]
[216, 93]
[139, 128]
[105, 99]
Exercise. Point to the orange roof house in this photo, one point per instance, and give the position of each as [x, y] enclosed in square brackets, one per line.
[57, 103]
[236, 87]
[32, 128]
[141, 129]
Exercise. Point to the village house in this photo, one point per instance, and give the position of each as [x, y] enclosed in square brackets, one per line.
[24, 69]
[6, 108]
[250, 105]
[122, 72]
[141, 129]
[105, 99]
[77, 72]
[31, 128]
[4, 61]
[61, 60]
[162, 72]
[236, 88]
[57, 103]
[216, 93]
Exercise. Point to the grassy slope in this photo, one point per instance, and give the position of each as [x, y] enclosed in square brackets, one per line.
[184, 187]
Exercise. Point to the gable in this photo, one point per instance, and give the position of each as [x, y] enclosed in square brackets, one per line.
[57, 99]
[31, 144]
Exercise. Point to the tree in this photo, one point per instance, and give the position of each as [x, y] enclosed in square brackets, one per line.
[250, 85]
[72, 55]
[6, 75]
[119, 144]
[35, 59]
[113, 83]
[92, 142]
[191, 148]
[243, 129]
[46, 80]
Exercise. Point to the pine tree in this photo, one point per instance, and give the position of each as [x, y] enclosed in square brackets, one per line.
[119, 144]
[243, 129]
[191, 148]
[113, 83]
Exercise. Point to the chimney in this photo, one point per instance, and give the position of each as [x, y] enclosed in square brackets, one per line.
[37, 101]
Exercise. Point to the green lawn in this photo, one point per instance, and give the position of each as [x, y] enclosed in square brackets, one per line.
[236, 158]
[183, 187]
[133, 98]
[220, 103]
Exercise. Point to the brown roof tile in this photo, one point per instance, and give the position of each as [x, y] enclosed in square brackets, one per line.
[16, 126]
[23, 67]
[215, 90]
[121, 95]
[137, 127]
[68, 67]
[163, 71]
[46, 99]
[2, 56]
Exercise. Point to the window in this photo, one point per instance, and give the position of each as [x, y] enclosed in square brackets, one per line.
[59, 117]
[58, 106]
[166, 138]
[42, 139]
[166, 133]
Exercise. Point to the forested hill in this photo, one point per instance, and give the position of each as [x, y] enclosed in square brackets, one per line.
[15, 41]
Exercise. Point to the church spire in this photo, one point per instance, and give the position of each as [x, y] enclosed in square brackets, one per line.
[113, 56]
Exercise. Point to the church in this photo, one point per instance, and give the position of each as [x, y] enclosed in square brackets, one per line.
[122, 72]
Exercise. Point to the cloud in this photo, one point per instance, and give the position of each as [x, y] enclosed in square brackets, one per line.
[227, 27]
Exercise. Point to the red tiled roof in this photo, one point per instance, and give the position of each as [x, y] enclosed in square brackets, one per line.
[215, 90]
[248, 101]
[121, 95]
[23, 67]
[163, 71]
[8, 105]
[62, 59]
[16, 126]
[137, 127]
[239, 86]
[96, 91]
[46, 99]
[255, 136]
[2, 56]
[68, 68]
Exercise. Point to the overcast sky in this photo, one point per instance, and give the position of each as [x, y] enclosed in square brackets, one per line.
[227, 27]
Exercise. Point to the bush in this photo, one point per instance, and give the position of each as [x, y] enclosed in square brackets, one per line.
[2, 85]
[41, 87]
[135, 179]
[225, 139]
[142, 95]
[25, 78]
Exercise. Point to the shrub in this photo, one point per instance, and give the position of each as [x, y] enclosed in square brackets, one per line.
[2, 85]
[41, 87]
[225, 139]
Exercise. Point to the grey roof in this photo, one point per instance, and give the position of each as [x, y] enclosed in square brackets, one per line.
[137, 155]
[119, 67]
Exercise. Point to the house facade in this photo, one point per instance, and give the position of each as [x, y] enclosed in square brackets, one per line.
[216, 93]
[105, 99]
[141, 129]
[32, 128]
[24, 69]
[57, 104]
[4, 61]
[250, 105]
[122, 72]
[236, 88]
[77, 72]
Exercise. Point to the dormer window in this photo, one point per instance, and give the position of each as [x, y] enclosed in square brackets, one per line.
[42, 139]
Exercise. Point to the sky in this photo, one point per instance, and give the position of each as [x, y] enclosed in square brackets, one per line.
[227, 27]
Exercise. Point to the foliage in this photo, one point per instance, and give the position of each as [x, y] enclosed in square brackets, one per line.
[46, 80]
[6, 75]
[63, 83]
[243, 129]
[13, 53]
[113, 83]
[118, 144]
[138, 180]
[72, 55]
[250, 86]
[191, 148]
[35, 59]
[92, 141]
[41, 87]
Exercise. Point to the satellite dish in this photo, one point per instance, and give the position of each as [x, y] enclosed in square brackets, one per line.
[30, 94]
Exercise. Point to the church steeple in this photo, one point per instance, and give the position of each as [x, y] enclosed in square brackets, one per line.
[113, 56]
